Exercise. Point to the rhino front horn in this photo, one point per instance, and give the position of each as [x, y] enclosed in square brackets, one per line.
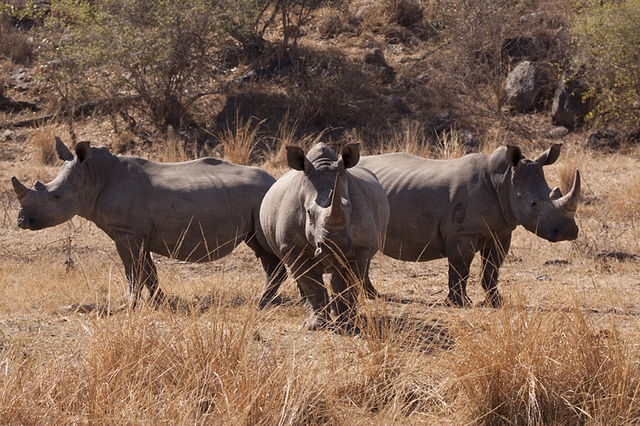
[19, 188]
[569, 202]
[335, 215]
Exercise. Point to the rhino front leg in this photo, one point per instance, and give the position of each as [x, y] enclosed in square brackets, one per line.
[343, 284]
[308, 276]
[492, 258]
[460, 257]
[139, 268]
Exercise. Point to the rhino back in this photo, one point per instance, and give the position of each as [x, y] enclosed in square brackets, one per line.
[197, 210]
[432, 201]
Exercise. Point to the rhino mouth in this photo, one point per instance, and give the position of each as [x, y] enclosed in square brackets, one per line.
[29, 223]
[559, 234]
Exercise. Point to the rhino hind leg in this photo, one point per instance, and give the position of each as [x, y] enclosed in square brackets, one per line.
[275, 275]
[274, 271]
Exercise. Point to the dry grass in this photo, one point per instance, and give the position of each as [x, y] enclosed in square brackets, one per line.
[239, 141]
[562, 351]
[43, 140]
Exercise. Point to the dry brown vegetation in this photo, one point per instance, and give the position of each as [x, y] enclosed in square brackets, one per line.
[563, 349]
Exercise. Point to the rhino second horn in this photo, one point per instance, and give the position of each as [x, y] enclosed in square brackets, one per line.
[569, 202]
[555, 193]
[335, 215]
[20, 190]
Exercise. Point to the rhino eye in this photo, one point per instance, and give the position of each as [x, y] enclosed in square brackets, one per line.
[534, 203]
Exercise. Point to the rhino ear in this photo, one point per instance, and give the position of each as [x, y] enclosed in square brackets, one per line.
[550, 156]
[63, 152]
[295, 157]
[514, 155]
[83, 151]
[350, 154]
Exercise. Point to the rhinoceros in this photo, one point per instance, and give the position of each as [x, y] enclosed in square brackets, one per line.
[455, 208]
[194, 211]
[326, 215]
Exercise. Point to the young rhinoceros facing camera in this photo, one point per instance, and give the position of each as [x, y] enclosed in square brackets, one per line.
[326, 215]
[194, 211]
[455, 208]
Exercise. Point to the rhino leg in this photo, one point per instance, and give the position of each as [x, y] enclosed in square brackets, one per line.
[308, 276]
[369, 289]
[345, 295]
[139, 268]
[460, 257]
[274, 270]
[492, 258]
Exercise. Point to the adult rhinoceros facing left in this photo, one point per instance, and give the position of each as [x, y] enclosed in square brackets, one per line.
[195, 211]
[455, 208]
[326, 215]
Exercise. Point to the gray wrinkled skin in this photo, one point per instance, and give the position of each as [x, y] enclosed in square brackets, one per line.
[194, 211]
[326, 215]
[455, 208]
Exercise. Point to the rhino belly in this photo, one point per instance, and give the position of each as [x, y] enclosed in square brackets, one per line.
[195, 244]
[412, 241]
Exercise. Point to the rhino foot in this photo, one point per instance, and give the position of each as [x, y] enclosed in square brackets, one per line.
[315, 322]
[458, 301]
[345, 328]
[493, 300]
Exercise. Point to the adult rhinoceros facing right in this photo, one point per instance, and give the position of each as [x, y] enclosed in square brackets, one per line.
[326, 215]
[455, 208]
[195, 211]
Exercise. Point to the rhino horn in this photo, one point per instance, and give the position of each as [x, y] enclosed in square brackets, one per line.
[569, 202]
[555, 193]
[20, 190]
[335, 214]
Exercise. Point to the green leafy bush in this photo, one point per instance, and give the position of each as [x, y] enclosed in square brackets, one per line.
[607, 35]
[152, 55]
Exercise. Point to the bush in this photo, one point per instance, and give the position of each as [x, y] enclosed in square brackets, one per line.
[608, 36]
[154, 56]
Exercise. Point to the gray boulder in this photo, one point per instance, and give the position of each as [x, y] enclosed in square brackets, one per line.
[528, 87]
[570, 106]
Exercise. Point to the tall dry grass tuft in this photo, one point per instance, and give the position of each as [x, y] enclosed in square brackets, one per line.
[449, 145]
[173, 149]
[275, 162]
[240, 141]
[562, 367]
[43, 140]
[410, 137]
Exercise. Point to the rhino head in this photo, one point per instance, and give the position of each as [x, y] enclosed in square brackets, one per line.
[543, 211]
[51, 204]
[325, 197]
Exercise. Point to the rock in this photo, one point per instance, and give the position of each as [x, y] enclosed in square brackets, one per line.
[527, 87]
[8, 135]
[569, 104]
[603, 139]
[375, 57]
